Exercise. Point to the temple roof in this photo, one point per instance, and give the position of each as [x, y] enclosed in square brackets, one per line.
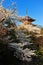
[26, 18]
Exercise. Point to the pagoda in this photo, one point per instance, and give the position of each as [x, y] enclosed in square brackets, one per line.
[26, 19]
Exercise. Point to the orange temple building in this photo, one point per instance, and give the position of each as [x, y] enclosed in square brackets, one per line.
[26, 19]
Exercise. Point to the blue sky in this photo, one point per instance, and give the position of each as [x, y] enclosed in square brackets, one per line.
[35, 8]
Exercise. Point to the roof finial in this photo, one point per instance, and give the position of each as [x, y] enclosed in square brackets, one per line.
[27, 12]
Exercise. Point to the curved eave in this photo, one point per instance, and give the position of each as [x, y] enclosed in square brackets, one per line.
[26, 18]
[32, 20]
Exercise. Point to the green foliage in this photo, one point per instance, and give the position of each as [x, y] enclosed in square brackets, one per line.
[13, 34]
[38, 50]
[39, 55]
[27, 32]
